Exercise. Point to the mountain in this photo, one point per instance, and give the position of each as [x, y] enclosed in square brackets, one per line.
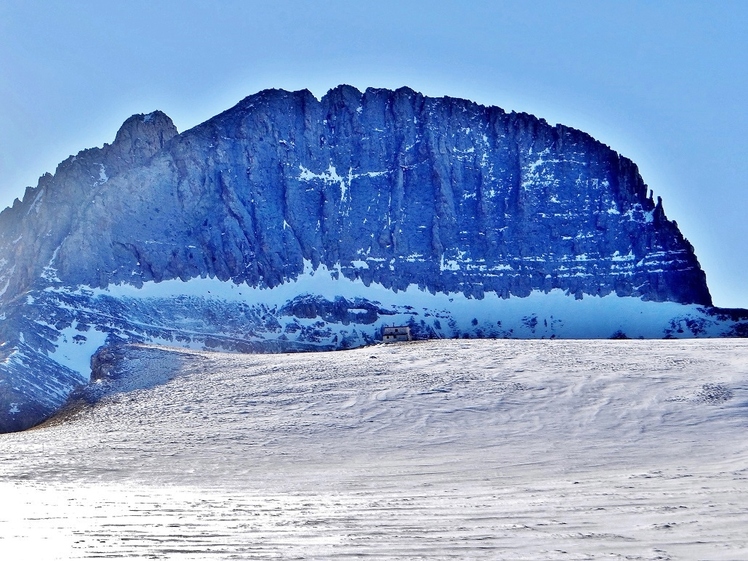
[292, 223]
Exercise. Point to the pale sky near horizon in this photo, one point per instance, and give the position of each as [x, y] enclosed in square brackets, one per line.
[664, 83]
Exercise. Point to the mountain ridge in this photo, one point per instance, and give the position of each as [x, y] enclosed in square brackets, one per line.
[208, 141]
[332, 217]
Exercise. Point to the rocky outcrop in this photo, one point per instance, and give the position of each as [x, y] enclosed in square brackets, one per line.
[381, 193]
[392, 186]
[33, 230]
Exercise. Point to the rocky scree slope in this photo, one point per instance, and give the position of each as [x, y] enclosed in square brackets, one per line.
[291, 223]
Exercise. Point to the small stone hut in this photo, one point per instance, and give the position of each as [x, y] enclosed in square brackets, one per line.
[396, 333]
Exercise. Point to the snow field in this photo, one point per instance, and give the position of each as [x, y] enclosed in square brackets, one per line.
[437, 450]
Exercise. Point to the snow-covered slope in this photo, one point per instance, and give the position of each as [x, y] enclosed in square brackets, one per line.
[505, 449]
[320, 310]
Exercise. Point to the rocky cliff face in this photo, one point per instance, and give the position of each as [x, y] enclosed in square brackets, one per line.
[393, 187]
[33, 230]
[379, 194]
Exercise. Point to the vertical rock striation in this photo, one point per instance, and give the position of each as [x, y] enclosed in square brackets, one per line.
[391, 186]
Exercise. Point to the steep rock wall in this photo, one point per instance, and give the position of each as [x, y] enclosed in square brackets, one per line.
[389, 186]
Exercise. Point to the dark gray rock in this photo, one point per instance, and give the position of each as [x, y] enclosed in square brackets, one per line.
[441, 193]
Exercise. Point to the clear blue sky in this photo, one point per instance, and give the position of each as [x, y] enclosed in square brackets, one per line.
[664, 83]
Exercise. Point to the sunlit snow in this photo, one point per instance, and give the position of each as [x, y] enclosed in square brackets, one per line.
[434, 450]
[554, 312]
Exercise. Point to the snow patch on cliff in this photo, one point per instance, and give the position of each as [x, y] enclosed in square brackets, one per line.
[75, 347]
[540, 314]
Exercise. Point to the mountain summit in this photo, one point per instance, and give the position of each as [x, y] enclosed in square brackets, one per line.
[292, 223]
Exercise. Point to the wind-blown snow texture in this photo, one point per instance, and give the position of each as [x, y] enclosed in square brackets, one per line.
[438, 450]
[317, 221]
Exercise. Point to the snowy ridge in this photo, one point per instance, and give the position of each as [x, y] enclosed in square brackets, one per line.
[321, 309]
[540, 315]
